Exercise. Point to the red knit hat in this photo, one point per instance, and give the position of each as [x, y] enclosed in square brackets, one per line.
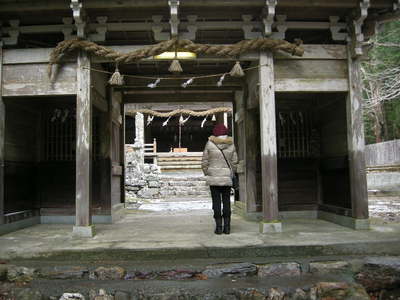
[220, 129]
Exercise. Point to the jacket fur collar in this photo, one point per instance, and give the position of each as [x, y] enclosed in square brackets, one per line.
[217, 140]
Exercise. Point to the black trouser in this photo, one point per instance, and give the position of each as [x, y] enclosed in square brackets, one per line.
[219, 193]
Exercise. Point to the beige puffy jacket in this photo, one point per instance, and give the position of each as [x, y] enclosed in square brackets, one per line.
[213, 163]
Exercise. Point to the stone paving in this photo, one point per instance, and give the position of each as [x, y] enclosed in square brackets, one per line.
[384, 209]
[173, 234]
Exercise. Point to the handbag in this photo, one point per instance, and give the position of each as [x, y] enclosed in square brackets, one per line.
[234, 177]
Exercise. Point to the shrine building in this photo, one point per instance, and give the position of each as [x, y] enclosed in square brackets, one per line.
[285, 74]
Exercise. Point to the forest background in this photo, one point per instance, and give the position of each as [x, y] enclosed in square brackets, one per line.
[381, 83]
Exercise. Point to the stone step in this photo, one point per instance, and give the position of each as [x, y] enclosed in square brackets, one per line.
[191, 179]
[181, 167]
[194, 158]
[183, 181]
[178, 163]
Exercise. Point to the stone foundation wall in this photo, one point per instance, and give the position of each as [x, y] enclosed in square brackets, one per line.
[141, 180]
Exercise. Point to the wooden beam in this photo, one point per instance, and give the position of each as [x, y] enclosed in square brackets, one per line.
[311, 85]
[197, 98]
[269, 172]
[355, 141]
[310, 69]
[2, 138]
[83, 148]
[35, 80]
[176, 105]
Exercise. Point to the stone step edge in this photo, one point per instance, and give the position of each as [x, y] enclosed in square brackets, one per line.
[177, 163]
[389, 247]
[191, 167]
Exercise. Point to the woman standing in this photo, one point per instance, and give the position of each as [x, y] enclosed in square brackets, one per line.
[219, 164]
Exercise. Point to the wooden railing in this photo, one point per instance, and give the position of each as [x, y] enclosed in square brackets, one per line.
[150, 151]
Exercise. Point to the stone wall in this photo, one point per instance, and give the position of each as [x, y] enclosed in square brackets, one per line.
[141, 180]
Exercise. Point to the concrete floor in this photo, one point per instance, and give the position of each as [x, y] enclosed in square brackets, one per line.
[143, 235]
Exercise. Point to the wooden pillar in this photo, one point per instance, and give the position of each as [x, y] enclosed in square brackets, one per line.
[356, 142]
[83, 225]
[269, 172]
[238, 130]
[2, 138]
[122, 152]
[251, 150]
[226, 120]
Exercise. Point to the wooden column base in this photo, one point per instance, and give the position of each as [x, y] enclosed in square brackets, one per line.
[270, 227]
[84, 231]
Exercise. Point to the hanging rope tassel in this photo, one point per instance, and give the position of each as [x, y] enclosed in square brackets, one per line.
[175, 67]
[186, 83]
[237, 70]
[154, 84]
[219, 83]
[213, 118]
[116, 78]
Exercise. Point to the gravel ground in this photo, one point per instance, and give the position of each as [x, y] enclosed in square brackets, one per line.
[384, 210]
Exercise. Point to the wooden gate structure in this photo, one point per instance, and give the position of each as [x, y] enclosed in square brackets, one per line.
[298, 120]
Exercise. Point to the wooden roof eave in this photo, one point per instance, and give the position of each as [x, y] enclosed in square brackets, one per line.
[39, 5]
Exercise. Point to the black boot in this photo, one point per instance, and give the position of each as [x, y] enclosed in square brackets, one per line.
[218, 226]
[227, 225]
